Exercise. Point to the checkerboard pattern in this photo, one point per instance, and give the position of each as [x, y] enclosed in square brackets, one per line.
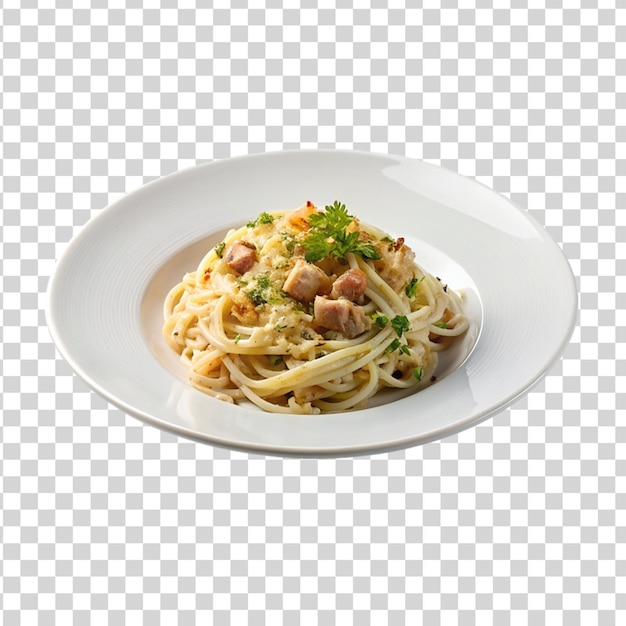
[519, 520]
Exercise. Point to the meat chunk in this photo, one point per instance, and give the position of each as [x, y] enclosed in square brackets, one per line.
[240, 256]
[350, 285]
[396, 264]
[342, 316]
[299, 219]
[305, 281]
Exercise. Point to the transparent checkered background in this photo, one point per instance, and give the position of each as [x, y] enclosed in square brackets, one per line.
[519, 520]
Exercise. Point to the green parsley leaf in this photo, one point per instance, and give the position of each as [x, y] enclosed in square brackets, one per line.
[441, 325]
[411, 288]
[264, 218]
[400, 324]
[379, 319]
[219, 249]
[335, 218]
[317, 248]
[418, 372]
[367, 251]
[328, 236]
[394, 345]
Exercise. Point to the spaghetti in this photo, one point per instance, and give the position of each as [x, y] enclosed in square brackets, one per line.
[310, 311]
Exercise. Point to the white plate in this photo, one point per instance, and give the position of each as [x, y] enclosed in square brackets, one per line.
[105, 297]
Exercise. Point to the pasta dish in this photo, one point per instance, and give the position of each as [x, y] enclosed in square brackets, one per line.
[310, 311]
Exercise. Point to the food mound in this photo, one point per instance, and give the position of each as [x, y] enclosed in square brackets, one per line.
[310, 311]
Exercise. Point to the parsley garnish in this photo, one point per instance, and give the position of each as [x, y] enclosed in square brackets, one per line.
[264, 218]
[289, 241]
[441, 325]
[396, 344]
[263, 281]
[328, 236]
[418, 372]
[259, 295]
[256, 296]
[411, 288]
[379, 319]
[263, 291]
[219, 249]
[400, 324]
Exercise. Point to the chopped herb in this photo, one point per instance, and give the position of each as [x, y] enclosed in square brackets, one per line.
[411, 288]
[396, 344]
[238, 338]
[388, 239]
[276, 360]
[289, 241]
[379, 319]
[262, 292]
[219, 249]
[400, 324]
[328, 236]
[263, 281]
[264, 218]
[256, 296]
[280, 327]
[418, 372]
[441, 325]
[393, 346]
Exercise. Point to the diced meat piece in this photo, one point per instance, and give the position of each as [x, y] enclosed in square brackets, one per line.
[240, 256]
[299, 219]
[396, 264]
[305, 281]
[342, 316]
[351, 285]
